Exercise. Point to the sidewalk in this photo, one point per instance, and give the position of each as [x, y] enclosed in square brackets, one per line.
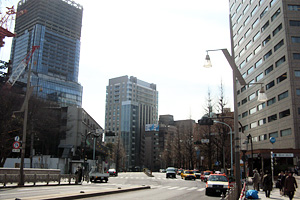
[275, 194]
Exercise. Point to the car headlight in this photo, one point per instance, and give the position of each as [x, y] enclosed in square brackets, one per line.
[209, 185]
[225, 186]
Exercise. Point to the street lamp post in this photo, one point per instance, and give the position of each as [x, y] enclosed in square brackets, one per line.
[231, 154]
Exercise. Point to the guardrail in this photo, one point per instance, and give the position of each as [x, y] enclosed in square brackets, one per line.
[34, 176]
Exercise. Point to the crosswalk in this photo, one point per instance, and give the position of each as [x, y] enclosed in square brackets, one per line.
[176, 188]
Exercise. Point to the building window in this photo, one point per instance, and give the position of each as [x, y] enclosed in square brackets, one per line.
[263, 12]
[259, 77]
[244, 101]
[272, 2]
[248, 44]
[240, 41]
[296, 56]
[298, 92]
[295, 39]
[266, 40]
[270, 85]
[284, 113]
[250, 70]
[268, 70]
[294, 23]
[238, 8]
[252, 110]
[244, 114]
[262, 122]
[242, 64]
[261, 106]
[240, 29]
[271, 101]
[245, 9]
[267, 55]
[238, 19]
[254, 11]
[258, 63]
[280, 61]
[243, 88]
[273, 134]
[297, 73]
[283, 95]
[275, 14]
[272, 118]
[257, 49]
[277, 29]
[286, 132]
[265, 26]
[247, 33]
[251, 96]
[294, 7]
[255, 23]
[256, 36]
[246, 21]
[253, 125]
[242, 52]
[278, 45]
[281, 78]
[263, 137]
[249, 57]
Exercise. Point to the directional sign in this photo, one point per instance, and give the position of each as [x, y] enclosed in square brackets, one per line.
[272, 140]
[16, 145]
[15, 150]
[284, 155]
[204, 140]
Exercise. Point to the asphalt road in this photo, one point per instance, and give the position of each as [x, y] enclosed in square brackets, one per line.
[161, 188]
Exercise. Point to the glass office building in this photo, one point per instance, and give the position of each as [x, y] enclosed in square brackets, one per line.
[130, 105]
[54, 26]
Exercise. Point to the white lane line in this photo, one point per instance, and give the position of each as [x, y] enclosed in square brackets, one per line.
[193, 188]
[183, 188]
[172, 188]
[201, 189]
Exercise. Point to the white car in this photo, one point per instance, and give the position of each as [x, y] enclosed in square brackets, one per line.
[217, 184]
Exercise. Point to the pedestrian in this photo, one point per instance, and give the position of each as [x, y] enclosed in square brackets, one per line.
[283, 181]
[261, 174]
[79, 173]
[279, 183]
[267, 183]
[290, 185]
[256, 180]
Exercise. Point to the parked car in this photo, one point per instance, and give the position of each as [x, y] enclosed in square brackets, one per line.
[188, 175]
[217, 184]
[112, 172]
[171, 172]
[162, 170]
[197, 174]
[205, 175]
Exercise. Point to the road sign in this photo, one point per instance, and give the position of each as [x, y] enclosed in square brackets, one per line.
[284, 155]
[272, 140]
[204, 141]
[15, 150]
[16, 145]
[17, 138]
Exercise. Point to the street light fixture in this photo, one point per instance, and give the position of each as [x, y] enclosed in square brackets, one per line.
[236, 75]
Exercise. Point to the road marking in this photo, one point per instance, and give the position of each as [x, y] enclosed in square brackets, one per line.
[193, 188]
[201, 189]
[172, 188]
[183, 188]
[165, 187]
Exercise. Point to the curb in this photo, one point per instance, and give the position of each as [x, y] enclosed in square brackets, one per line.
[82, 194]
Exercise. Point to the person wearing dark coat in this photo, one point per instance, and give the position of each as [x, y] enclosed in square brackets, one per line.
[267, 183]
[290, 185]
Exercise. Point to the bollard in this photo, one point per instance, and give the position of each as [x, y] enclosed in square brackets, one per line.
[222, 197]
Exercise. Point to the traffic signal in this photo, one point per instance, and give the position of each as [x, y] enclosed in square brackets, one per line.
[205, 121]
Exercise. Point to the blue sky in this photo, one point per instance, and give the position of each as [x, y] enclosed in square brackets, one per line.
[158, 41]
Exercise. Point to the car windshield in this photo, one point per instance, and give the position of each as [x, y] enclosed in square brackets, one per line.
[206, 173]
[189, 172]
[171, 170]
[196, 171]
[217, 178]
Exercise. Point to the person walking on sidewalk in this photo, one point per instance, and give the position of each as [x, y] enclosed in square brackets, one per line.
[256, 180]
[267, 183]
[290, 185]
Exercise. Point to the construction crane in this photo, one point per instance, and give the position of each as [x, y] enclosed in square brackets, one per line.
[20, 68]
[4, 32]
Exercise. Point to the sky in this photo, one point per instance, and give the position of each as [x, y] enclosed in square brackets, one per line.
[158, 41]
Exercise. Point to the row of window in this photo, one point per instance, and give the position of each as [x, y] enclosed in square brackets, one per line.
[284, 132]
[255, 23]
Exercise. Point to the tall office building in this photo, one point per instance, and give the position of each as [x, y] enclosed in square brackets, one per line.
[266, 44]
[130, 105]
[54, 26]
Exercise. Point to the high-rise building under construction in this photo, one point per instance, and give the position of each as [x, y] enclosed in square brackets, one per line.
[54, 26]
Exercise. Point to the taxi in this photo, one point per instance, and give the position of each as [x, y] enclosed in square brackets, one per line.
[188, 175]
[217, 184]
[205, 175]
